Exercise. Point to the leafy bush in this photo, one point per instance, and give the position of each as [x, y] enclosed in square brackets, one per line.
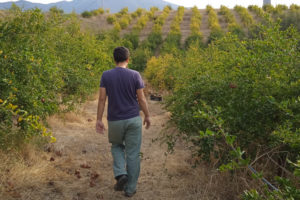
[133, 38]
[213, 23]
[117, 27]
[194, 39]
[291, 18]
[111, 19]
[124, 11]
[294, 7]
[196, 20]
[171, 45]
[175, 26]
[246, 17]
[47, 63]
[54, 9]
[87, 14]
[99, 11]
[140, 58]
[18, 126]
[231, 21]
[124, 22]
[257, 10]
[141, 23]
[250, 88]
[161, 72]
[268, 8]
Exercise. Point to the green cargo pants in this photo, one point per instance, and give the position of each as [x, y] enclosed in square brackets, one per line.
[126, 137]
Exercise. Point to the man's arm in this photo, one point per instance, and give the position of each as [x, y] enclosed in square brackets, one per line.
[101, 105]
[143, 103]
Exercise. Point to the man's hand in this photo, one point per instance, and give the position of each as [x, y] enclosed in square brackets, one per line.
[147, 122]
[100, 127]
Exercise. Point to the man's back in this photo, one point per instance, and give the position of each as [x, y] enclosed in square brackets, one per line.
[121, 85]
[124, 88]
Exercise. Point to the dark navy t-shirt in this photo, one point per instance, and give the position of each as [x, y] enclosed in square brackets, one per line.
[121, 85]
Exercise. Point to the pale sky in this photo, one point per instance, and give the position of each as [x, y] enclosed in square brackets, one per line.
[202, 3]
[37, 1]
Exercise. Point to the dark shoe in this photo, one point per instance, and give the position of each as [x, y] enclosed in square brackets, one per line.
[129, 194]
[121, 182]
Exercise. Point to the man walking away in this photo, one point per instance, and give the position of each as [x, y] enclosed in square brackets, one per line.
[124, 88]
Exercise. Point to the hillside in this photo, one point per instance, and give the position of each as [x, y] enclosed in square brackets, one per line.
[99, 23]
[86, 5]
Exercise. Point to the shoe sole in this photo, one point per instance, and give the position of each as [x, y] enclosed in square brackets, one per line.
[129, 194]
[121, 183]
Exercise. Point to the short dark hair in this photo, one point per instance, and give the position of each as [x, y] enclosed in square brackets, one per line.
[121, 54]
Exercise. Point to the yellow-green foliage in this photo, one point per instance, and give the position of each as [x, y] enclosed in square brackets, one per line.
[257, 10]
[13, 137]
[160, 20]
[141, 23]
[99, 11]
[175, 26]
[281, 7]
[111, 19]
[246, 17]
[47, 65]
[294, 7]
[213, 21]
[230, 18]
[121, 20]
[124, 11]
[125, 21]
[137, 13]
[161, 72]
[117, 27]
[268, 8]
[196, 21]
[152, 12]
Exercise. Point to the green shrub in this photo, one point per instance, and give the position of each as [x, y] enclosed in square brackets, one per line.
[111, 19]
[246, 17]
[87, 14]
[47, 64]
[124, 22]
[124, 11]
[133, 38]
[99, 11]
[258, 11]
[194, 39]
[54, 9]
[140, 58]
[248, 88]
[195, 21]
[291, 18]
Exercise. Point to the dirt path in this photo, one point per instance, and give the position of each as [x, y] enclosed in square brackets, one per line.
[78, 144]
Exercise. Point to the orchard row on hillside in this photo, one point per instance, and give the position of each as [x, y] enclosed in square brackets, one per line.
[241, 18]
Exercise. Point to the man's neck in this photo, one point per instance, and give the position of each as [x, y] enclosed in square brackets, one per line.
[122, 65]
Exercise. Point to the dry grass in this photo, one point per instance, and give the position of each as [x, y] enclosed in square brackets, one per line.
[24, 175]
